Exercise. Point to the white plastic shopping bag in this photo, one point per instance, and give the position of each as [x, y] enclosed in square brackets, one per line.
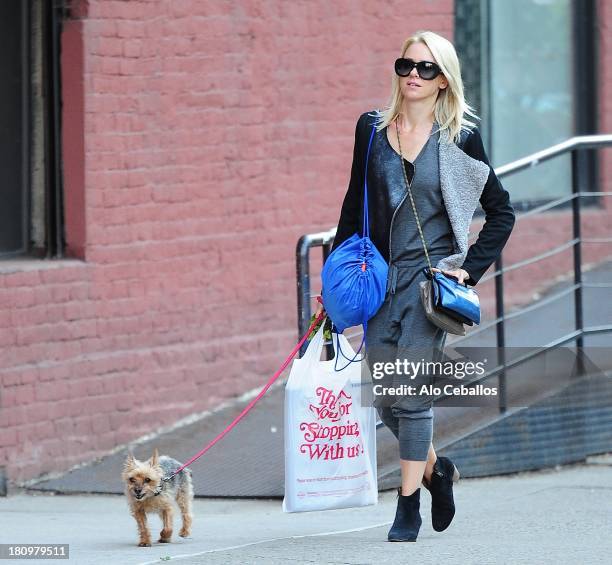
[330, 439]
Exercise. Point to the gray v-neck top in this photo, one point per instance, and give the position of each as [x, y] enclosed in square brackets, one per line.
[405, 241]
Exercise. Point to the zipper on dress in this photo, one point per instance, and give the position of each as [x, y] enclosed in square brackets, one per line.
[398, 207]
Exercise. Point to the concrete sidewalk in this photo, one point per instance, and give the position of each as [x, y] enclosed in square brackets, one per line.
[552, 516]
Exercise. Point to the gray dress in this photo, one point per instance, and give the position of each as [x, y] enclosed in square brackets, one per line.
[400, 328]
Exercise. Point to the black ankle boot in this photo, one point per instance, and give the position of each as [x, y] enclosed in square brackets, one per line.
[407, 518]
[441, 489]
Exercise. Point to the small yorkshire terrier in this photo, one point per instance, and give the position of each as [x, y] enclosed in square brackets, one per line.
[142, 481]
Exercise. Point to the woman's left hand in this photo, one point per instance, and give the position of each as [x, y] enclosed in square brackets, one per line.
[461, 274]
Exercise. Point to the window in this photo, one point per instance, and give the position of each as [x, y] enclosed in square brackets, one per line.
[31, 210]
[528, 68]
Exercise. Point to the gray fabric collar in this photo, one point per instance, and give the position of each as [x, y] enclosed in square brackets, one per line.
[462, 180]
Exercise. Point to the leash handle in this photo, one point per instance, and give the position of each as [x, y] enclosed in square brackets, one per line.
[254, 400]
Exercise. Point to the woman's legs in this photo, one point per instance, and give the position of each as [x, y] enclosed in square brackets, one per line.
[405, 327]
[400, 331]
[420, 341]
[414, 432]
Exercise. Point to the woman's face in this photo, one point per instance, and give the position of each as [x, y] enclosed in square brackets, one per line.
[423, 89]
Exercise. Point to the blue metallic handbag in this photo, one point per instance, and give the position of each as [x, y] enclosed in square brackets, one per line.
[454, 298]
[354, 277]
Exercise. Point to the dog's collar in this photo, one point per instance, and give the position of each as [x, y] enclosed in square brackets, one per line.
[160, 487]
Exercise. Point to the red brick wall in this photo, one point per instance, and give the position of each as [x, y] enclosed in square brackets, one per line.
[201, 140]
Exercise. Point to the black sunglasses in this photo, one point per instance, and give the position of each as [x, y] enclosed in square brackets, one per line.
[426, 70]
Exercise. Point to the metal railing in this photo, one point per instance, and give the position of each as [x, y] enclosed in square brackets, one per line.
[574, 146]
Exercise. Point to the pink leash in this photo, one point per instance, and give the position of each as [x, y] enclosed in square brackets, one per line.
[253, 402]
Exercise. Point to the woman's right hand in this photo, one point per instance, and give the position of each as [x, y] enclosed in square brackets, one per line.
[317, 313]
[320, 307]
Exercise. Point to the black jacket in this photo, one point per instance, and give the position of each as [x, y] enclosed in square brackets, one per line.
[495, 201]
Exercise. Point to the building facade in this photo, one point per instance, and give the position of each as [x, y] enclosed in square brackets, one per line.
[162, 158]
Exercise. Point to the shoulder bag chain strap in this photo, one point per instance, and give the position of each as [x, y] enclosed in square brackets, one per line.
[411, 199]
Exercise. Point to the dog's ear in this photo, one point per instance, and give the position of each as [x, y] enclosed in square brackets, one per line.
[155, 459]
[130, 461]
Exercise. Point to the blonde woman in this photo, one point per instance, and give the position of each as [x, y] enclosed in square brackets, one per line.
[424, 129]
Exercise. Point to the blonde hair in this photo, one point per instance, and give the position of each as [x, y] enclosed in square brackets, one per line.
[450, 107]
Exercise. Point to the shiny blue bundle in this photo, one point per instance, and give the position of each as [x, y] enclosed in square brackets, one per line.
[354, 282]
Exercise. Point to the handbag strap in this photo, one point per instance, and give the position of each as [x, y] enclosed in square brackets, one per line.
[366, 215]
[411, 199]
